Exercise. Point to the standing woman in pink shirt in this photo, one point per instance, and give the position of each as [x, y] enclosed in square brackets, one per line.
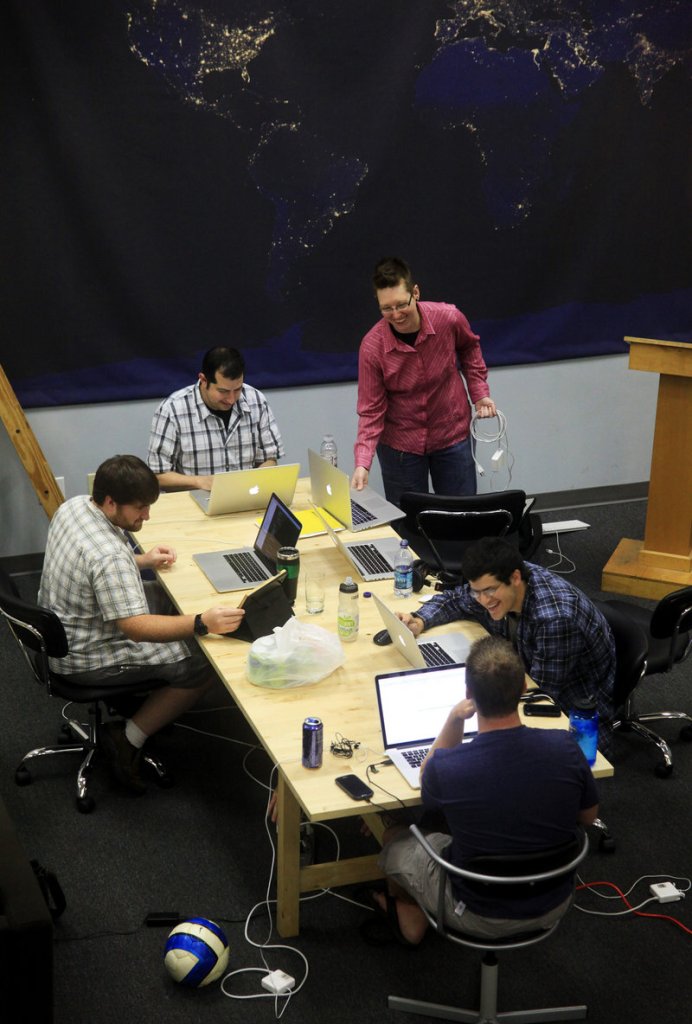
[413, 407]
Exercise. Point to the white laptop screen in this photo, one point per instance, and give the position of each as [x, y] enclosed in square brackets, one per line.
[414, 704]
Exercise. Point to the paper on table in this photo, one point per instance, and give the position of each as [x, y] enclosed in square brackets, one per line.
[312, 526]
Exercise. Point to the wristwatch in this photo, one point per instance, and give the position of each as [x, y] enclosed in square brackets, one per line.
[199, 628]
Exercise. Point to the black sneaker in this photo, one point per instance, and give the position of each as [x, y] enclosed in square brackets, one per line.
[124, 759]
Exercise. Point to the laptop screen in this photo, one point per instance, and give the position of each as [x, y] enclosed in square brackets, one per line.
[279, 528]
[414, 704]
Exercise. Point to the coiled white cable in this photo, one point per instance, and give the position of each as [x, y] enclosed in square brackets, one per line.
[497, 438]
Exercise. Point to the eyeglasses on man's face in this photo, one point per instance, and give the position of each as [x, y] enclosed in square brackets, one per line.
[399, 308]
[485, 592]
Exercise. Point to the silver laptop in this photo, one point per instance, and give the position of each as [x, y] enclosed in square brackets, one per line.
[413, 707]
[357, 510]
[247, 489]
[446, 649]
[372, 560]
[242, 568]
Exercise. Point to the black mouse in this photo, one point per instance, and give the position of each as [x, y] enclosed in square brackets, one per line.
[382, 638]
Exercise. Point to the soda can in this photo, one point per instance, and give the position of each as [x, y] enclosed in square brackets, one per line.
[312, 743]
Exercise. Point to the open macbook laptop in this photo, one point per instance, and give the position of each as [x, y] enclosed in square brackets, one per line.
[447, 649]
[413, 707]
[373, 560]
[243, 567]
[357, 510]
[246, 489]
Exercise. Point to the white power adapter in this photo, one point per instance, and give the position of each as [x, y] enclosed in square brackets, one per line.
[278, 982]
[497, 460]
[665, 892]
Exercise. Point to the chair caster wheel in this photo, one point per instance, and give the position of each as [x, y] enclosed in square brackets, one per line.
[85, 804]
[686, 733]
[23, 776]
[663, 770]
[606, 844]
[164, 781]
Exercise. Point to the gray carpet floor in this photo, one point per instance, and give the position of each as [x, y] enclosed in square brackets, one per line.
[202, 849]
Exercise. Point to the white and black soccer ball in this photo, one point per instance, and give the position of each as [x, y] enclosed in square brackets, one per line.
[196, 952]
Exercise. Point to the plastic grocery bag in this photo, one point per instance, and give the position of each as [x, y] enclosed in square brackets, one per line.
[295, 654]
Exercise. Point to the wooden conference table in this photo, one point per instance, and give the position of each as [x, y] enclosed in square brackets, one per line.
[345, 700]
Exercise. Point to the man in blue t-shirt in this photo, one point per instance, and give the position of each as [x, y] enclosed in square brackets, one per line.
[512, 789]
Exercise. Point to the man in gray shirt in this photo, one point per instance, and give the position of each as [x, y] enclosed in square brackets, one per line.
[118, 627]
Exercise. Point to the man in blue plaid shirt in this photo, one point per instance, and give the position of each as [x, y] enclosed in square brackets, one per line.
[216, 425]
[564, 641]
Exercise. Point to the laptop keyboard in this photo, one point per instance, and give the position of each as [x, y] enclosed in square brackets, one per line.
[415, 755]
[434, 655]
[360, 514]
[370, 558]
[247, 568]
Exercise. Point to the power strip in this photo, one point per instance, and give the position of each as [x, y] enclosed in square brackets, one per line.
[564, 526]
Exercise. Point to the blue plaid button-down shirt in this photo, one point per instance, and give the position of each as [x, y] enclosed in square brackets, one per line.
[564, 641]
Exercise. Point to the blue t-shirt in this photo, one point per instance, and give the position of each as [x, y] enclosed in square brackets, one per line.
[509, 791]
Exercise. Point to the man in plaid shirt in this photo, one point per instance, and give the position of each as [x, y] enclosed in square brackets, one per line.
[120, 629]
[218, 424]
[564, 641]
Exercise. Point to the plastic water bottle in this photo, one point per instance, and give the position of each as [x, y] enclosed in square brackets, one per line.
[328, 449]
[403, 571]
[347, 616]
[583, 724]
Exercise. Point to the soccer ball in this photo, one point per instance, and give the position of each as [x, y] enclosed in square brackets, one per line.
[196, 952]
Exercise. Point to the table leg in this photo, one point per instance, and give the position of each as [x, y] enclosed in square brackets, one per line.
[287, 861]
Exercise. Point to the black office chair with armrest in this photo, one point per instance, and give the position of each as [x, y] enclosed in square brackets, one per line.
[40, 635]
[448, 533]
[524, 525]
[667, 639]
[524, 873]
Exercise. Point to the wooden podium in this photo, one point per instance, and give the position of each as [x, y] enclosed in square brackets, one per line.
[662, 562]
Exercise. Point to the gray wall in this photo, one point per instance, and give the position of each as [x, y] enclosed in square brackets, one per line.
[570, 425]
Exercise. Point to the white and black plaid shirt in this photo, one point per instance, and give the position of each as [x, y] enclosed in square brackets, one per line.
[90, 580]
[188, 437]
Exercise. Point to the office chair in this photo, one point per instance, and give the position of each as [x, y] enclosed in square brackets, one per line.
[448, 534]
[40, 636]
[666, 634]
[486, 516]
[526, 873]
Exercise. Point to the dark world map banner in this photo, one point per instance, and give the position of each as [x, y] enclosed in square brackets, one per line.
[179, 175]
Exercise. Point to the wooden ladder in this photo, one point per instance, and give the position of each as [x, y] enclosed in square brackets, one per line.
[28, 448]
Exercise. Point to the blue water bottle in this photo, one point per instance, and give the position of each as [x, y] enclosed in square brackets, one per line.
[583, 724]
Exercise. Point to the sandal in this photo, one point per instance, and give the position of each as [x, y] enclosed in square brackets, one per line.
[382, 929]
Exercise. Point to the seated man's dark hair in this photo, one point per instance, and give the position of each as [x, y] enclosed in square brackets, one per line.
[494, 677]
[390, 272]
[226, 361]
[492, 556]
[125, 479]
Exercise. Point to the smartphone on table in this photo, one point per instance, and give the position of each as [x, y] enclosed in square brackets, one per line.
[354, 786]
